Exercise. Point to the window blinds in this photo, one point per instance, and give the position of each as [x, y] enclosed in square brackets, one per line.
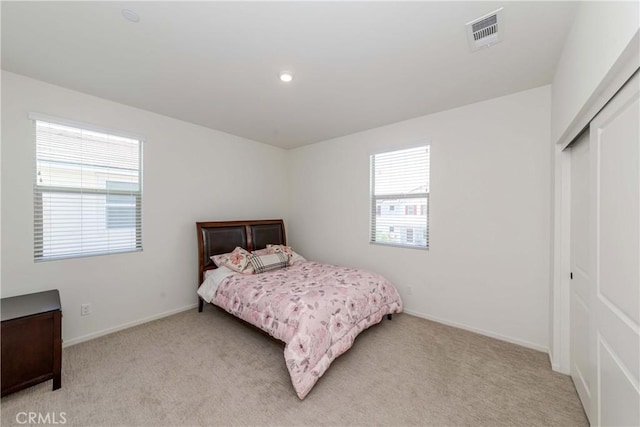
[87, 192]
[400, 197]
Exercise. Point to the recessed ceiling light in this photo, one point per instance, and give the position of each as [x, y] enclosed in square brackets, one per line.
[286, 76]
[130, 15]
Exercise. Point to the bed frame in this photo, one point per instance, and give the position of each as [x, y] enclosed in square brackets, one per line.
[221, 237]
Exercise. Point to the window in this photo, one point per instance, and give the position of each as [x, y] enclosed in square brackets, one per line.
[400, 178]
[87, 192]
[121, 208]
[409, 235]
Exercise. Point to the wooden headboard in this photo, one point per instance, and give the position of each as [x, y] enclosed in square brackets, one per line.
[223, 236]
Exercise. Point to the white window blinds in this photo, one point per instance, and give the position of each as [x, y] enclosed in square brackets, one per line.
[400, 197]
[87, 192]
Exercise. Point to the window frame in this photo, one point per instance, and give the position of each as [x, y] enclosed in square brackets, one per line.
[40, 191]
[375, 198]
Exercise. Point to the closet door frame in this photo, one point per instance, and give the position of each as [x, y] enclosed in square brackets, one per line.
[559, 295]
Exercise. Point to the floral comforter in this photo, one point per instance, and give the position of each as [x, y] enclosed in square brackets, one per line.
[316, 309]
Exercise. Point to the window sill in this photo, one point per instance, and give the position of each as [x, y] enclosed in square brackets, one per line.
[393, 245]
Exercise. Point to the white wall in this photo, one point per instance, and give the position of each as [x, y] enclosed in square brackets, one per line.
[600, 33]
[487, 268]
[190, 174]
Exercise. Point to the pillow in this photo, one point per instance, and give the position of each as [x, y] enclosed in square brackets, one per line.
[293, 256]
[269, 262]
[280, 248]
[220, 259]
[238, 260]
[264, 251]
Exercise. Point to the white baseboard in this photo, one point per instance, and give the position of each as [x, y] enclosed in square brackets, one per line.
[68, 343]
[480, 331]
[74, 341]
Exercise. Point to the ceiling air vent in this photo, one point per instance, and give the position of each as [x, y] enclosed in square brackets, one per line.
[485, 31]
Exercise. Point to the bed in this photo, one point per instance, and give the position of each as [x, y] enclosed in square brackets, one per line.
[317, 310]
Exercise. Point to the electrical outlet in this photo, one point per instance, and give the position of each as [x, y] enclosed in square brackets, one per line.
[409, 290]
[85, 309]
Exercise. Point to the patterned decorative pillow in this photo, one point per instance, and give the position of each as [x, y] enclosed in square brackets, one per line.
[294, 257]
[261, 252]
[272, 249]
[220, 259]
[238, 260]
[269, 262]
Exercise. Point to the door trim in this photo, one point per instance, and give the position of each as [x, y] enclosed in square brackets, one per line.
[621, 71]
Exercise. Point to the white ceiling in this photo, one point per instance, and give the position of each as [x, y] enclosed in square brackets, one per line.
[357, 65]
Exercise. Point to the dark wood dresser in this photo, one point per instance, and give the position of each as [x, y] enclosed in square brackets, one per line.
[31, 340]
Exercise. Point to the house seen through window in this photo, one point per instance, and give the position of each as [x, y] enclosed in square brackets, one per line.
[400, 197]
[87, 192]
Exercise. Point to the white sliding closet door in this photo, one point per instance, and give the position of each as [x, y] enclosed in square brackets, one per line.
[615, 259]
[581, 284]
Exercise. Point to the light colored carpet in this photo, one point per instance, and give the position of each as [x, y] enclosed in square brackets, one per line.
[211, 369]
